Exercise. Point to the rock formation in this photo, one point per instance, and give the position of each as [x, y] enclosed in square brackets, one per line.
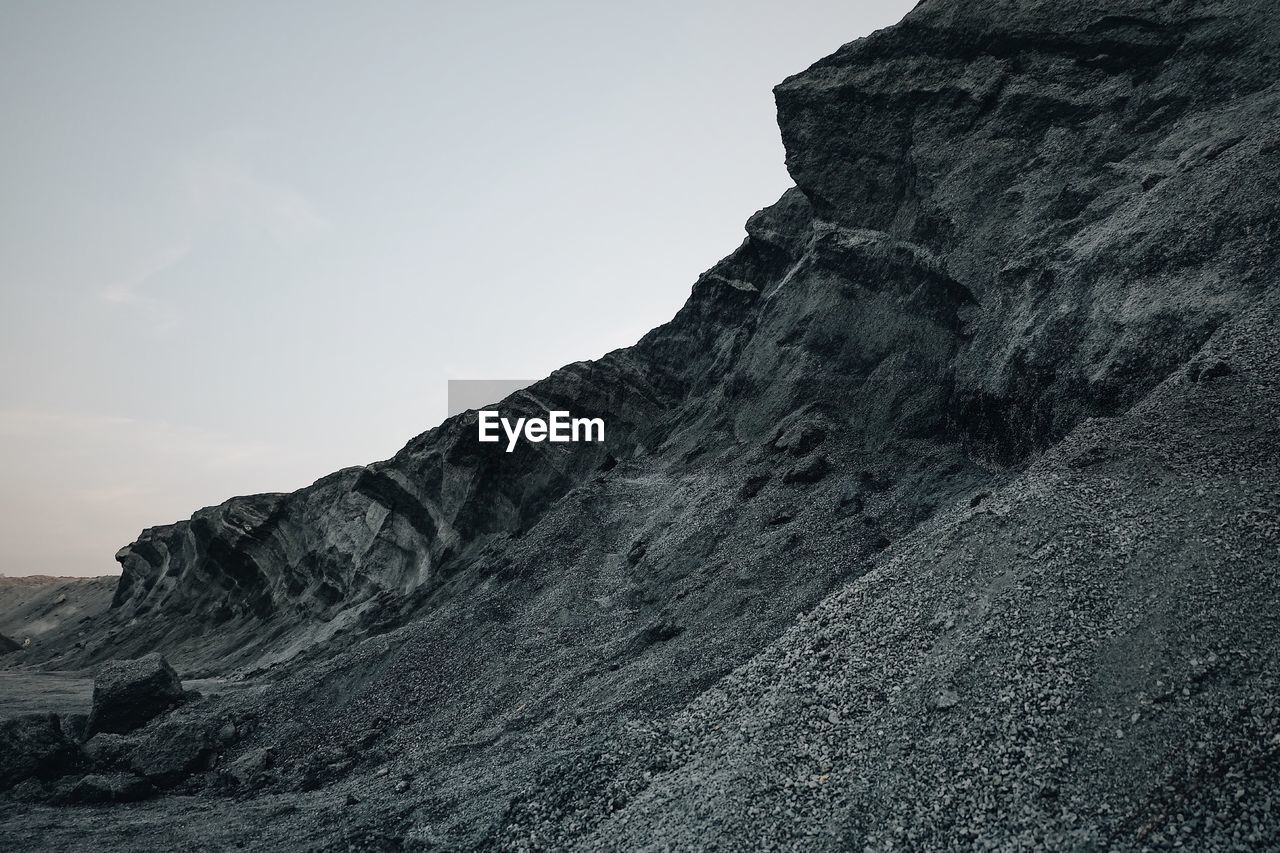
[129, 693]
[942, 516]
[34, 746]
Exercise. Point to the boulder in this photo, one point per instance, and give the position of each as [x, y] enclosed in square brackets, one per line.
[8, 645]
[127, 694]
[171, 751]
[107, 751]
[34, 746]
[250, 767]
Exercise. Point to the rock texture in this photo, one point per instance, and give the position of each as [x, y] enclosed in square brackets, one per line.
[114, 788]
[942, 516]
[129, 693]
[34, 745]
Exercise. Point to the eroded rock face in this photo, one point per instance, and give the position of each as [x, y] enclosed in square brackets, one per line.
[129, 693]
[34, 746]
[171, 750]
[942, 514]
[1007, 218]
[1075, 166]
[108, 752]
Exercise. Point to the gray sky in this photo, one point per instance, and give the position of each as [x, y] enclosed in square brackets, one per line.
[244, 244]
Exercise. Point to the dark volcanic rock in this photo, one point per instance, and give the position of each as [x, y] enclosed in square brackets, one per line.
[34, 745]
[249, 768]
[171, 750]
[107, 751]
[1031, 255]
[129, 693]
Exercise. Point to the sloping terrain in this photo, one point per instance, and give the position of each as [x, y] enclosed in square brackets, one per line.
[1088, 658]
[53, 610]
[942, 515]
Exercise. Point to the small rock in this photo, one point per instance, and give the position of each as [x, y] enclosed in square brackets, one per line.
[850, 500]
[114, 788]
[944, 699]
[171, 752]
[250, 766]
[752, 486]
[1216, 369]
[108, 751]
[636, 553]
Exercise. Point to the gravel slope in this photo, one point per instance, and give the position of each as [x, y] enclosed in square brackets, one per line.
[942, 516]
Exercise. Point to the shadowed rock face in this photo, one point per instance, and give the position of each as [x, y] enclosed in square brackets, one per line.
[1008, 218]
[941, 515]
[1077, 167]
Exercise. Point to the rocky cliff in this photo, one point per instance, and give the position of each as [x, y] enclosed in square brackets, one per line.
[942, 515]
[1008, 218]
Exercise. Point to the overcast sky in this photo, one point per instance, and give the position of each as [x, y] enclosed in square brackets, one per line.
[245, 244]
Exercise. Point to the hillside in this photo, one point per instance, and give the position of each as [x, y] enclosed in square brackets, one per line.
[942, 516]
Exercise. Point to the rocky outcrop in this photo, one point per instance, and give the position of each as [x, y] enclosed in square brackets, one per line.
[1005, 222]
[107, 752]
[7, 645]
[129, 693]
[941, 516]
